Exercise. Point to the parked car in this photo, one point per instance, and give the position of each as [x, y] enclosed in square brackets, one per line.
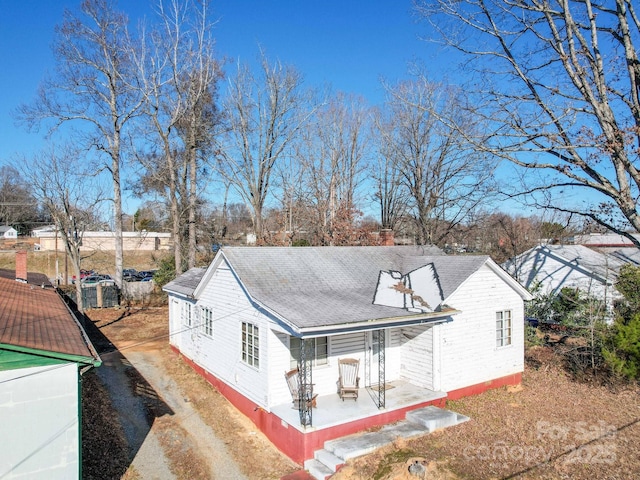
[146, 274]
[83, 274]
[131, 277]
[92, 280]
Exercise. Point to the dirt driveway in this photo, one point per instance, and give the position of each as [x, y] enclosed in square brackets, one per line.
[165, 419]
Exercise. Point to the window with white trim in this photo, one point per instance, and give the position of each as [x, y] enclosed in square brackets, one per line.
[206, 319]
[186, 313]
[250, 344]
[503, 328]
[319, 347]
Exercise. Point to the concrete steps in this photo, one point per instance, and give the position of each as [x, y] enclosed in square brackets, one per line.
[336, 452]
[434, 418]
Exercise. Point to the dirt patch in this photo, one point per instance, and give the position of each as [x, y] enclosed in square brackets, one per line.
[551, 428]
[146, 330]
[103, 262]
[186, 461]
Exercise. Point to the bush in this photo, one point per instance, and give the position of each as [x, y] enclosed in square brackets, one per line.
[621, 350]
[622, 353]
[166, 272]
[531, 336]
[570, 307]
[628, 285]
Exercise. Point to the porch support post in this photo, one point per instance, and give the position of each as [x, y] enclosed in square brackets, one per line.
[305, 383]
[381, 334]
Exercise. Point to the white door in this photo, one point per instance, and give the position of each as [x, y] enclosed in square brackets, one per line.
[373, 356]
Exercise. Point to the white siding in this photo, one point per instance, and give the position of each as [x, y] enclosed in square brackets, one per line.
[468, 353]
[416, 357]
[39, 417]
[221, 354]
[348, 345]
[393, 354]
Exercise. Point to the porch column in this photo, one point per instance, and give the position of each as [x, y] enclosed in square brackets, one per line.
[378, 337]
[305, 383]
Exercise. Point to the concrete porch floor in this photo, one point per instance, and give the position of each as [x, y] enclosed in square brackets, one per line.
[332, 411]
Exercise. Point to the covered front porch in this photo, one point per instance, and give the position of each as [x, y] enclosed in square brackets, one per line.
[331, 411]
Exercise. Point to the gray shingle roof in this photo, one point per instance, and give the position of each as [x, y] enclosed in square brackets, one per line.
[325, 286]
[186, 283]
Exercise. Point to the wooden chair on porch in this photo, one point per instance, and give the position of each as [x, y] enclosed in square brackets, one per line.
[348, 380]
[293, 381]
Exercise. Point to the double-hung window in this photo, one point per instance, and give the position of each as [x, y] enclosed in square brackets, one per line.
[250, 344]
[319, 350]
[503, 328]
[206, 319]
[186, 313]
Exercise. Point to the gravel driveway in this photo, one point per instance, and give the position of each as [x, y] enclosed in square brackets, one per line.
[137, 380]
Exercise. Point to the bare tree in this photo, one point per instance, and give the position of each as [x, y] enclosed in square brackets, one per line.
[92, 87]
[17, 205]
[559, 81]
[332, 153]
[179, 75]
[60, 182]
[444, 178]
[265, 114]
[292, 196]
[389, 193]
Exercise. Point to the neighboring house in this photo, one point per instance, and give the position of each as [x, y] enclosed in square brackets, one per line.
[8, 232]
[46, 229]
[604, 241]
[424, 326]
[554, 267]
[105, 241]
[43, 352]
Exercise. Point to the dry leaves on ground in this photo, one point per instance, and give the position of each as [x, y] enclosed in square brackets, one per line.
[552, 428]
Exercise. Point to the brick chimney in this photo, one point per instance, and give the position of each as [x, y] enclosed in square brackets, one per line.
[21, 266]
[386, 237]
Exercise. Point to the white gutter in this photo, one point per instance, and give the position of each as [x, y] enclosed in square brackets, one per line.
[389, 322]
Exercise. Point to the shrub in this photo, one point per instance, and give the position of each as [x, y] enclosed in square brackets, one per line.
[628, 285]
[166, 272]
[622, 353]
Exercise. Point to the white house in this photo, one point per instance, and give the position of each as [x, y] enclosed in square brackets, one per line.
[425, 327]
[45, 229]
[105, 241]
[9, 233]
[605, 241]
[554, 267]
[43, 351]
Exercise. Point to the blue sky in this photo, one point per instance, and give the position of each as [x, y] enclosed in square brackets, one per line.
[349, 45]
